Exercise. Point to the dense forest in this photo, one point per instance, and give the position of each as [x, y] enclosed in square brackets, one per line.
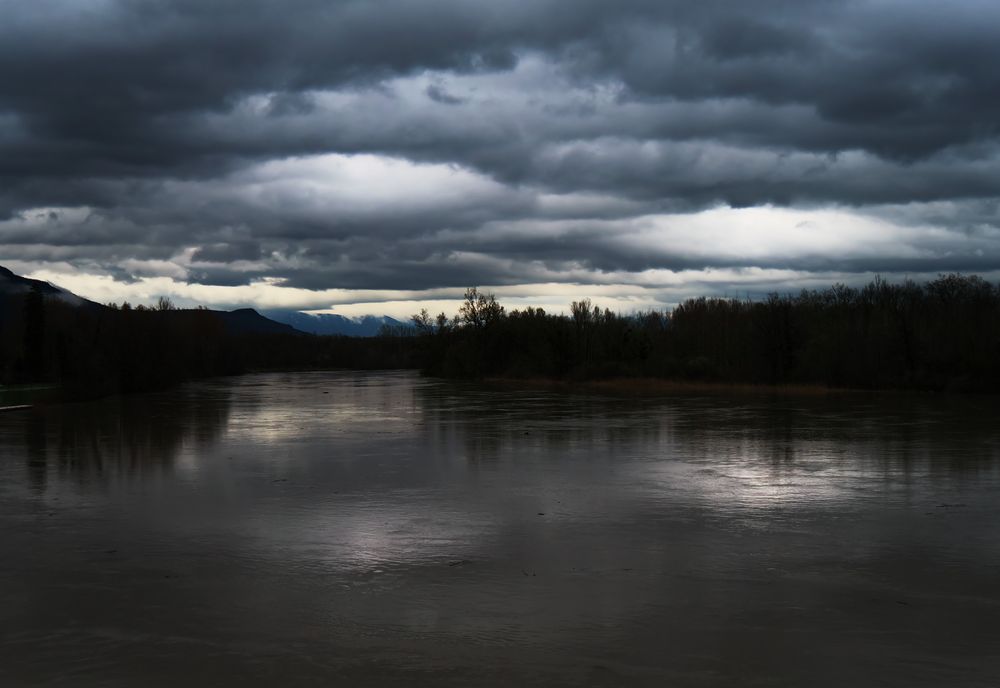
[944, 334]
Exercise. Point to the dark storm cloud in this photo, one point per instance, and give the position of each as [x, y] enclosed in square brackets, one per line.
[162, 119]
[225, 253]
[437, 93]
[98, 82]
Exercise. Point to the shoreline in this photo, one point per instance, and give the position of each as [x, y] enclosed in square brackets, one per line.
[646, 386]
[618, 386]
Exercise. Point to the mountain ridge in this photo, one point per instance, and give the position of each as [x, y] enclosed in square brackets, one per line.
[237, 321]
[332, 323]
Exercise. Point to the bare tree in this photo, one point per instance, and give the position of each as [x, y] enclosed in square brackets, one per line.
[423, 322]
[480, 310]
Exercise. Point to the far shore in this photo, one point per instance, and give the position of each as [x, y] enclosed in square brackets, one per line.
[644, 386]
[26, 396]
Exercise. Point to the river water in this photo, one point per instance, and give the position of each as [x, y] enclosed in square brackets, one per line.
[383, 529]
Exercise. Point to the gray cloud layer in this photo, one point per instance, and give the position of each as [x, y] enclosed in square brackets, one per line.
[183, 125]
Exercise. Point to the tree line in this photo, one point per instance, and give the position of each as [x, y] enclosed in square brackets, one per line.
[944, 334]
[92, 350]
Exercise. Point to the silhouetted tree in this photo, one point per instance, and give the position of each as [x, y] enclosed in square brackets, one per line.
[480, 310]
[943, 334]
[34, 335]
[422, 322]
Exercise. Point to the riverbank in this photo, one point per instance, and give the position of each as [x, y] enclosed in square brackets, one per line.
[619, 386]
[661, 387]
[27, 395]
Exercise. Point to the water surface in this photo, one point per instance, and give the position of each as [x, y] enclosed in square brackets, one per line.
[382, 529]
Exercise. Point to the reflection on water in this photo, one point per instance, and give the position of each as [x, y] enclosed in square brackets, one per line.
[379, 528]
[116, 438]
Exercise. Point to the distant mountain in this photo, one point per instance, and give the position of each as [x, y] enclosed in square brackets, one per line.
[15, 285]
[249, 321]
[331, 323]
[241, 321]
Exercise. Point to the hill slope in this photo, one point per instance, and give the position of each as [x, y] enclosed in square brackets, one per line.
[240, 321]
[15, 285]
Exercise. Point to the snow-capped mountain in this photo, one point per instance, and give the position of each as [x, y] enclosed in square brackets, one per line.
[331, 323]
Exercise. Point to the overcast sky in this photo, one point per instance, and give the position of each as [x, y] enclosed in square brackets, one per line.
[378, 156]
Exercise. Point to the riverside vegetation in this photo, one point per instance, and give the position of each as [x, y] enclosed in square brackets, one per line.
[91, 350]
[944, 334]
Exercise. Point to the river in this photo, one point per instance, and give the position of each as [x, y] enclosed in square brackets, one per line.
[383, 529]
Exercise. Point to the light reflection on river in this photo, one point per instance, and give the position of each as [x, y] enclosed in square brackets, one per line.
[372, 529]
